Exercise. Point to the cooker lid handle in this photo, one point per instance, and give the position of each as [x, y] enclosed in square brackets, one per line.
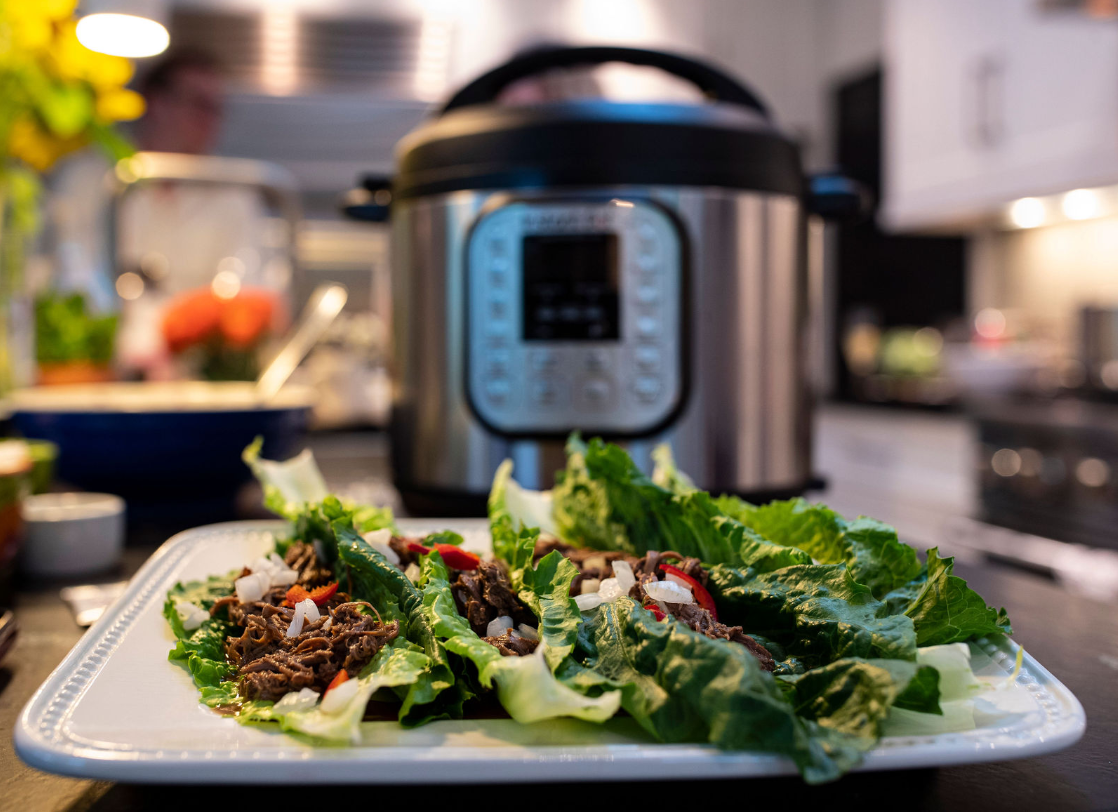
[714, 83]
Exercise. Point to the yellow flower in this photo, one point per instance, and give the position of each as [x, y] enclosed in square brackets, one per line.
[119, 105]
[38, 148]
[72, 60]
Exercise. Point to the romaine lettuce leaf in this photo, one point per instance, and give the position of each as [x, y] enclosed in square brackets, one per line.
[603, 500]
[526, 687]
[871, 549]
[370, 576]
[854, 696]
[946, 610]
[289, 485]
[682, 686]
[815, 611]
[202, 649]
[398, 664]
[522, 507]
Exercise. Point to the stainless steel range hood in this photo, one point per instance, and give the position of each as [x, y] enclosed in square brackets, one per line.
[325, 96]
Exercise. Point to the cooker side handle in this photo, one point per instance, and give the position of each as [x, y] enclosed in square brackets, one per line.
[714, 83]
[837, 197]
[370, 202]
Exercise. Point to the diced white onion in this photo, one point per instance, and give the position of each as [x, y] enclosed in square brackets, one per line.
[412, 572]
[297, 700]
[668, 592]
[589, 601]
[610, 590]
[279, 562]
[527, 632]
[329, 622]
[590, 585]
[378, 540]
[337, 698]
[623, 572]
[296, 627]
[594, 562]
[191, 615]
[252, 587]
[310, 610]
[498, 626]
[262, 565]
[675, 579]
[284, 577]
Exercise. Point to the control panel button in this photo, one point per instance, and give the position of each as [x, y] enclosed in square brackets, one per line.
[497, 362]
[646, 388]
[497, 391]
[596, 392]
[648, 327]
[545, 392]
[496, 329]
[597, 361]
[543, 360]
[498, 307]
[648, 359]
[648, 294]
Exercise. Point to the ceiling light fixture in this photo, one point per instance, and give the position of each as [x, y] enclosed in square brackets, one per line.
[129, 28]
[1028, 212]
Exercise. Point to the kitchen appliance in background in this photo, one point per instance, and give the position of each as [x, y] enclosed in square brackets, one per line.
[1050, 468]
[1099, 350]
[637, 271]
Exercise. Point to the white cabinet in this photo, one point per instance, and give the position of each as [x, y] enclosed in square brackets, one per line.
[987, 101]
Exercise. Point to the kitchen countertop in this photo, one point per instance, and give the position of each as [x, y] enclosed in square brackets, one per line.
[1075, 637]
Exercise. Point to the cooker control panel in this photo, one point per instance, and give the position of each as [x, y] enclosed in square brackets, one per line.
[575, 317]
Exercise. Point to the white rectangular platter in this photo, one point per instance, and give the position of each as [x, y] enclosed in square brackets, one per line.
[117, 709]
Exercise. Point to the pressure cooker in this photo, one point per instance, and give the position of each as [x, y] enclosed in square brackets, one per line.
[634, 271]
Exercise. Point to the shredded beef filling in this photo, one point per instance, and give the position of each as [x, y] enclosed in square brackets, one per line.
[511, 644]
[270, 664]
[485, 594]
[312, 572]
[400, 547]
[596, 564]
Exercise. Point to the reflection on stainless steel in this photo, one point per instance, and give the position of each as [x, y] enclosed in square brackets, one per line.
[745, 426]
[324, 306]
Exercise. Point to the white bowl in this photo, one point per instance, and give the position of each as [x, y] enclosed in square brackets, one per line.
[69, 534]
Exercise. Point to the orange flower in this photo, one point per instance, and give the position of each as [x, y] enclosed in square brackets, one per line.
[191, 318]
[246, 317]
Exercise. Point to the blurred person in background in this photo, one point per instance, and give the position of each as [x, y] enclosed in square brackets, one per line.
[171, 237]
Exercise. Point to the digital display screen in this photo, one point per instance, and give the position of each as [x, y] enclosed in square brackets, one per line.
[571, 287]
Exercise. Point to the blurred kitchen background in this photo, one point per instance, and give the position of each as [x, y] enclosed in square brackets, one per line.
[965, 333]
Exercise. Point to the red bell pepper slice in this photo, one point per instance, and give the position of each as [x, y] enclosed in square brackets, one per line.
[655, 610]
[296, 594]
[321, 594]
[458, 559]
[339, 678]
[702, 597]
[416, 547]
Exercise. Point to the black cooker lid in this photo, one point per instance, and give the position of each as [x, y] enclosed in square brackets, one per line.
[475, 143]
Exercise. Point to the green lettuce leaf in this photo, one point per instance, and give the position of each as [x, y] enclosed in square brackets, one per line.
[815, 611]
[522, 508]
[854, 696]
[681, 686]
[202, 650]
[290, 485]
[397, 665]
[370, 576]
[526, 687]
[871, 549]
[602, 500]
[946, 610]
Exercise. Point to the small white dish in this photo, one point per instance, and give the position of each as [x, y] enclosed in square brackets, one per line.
[68, 534]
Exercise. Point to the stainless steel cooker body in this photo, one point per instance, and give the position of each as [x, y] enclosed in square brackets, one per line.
[704, 347]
